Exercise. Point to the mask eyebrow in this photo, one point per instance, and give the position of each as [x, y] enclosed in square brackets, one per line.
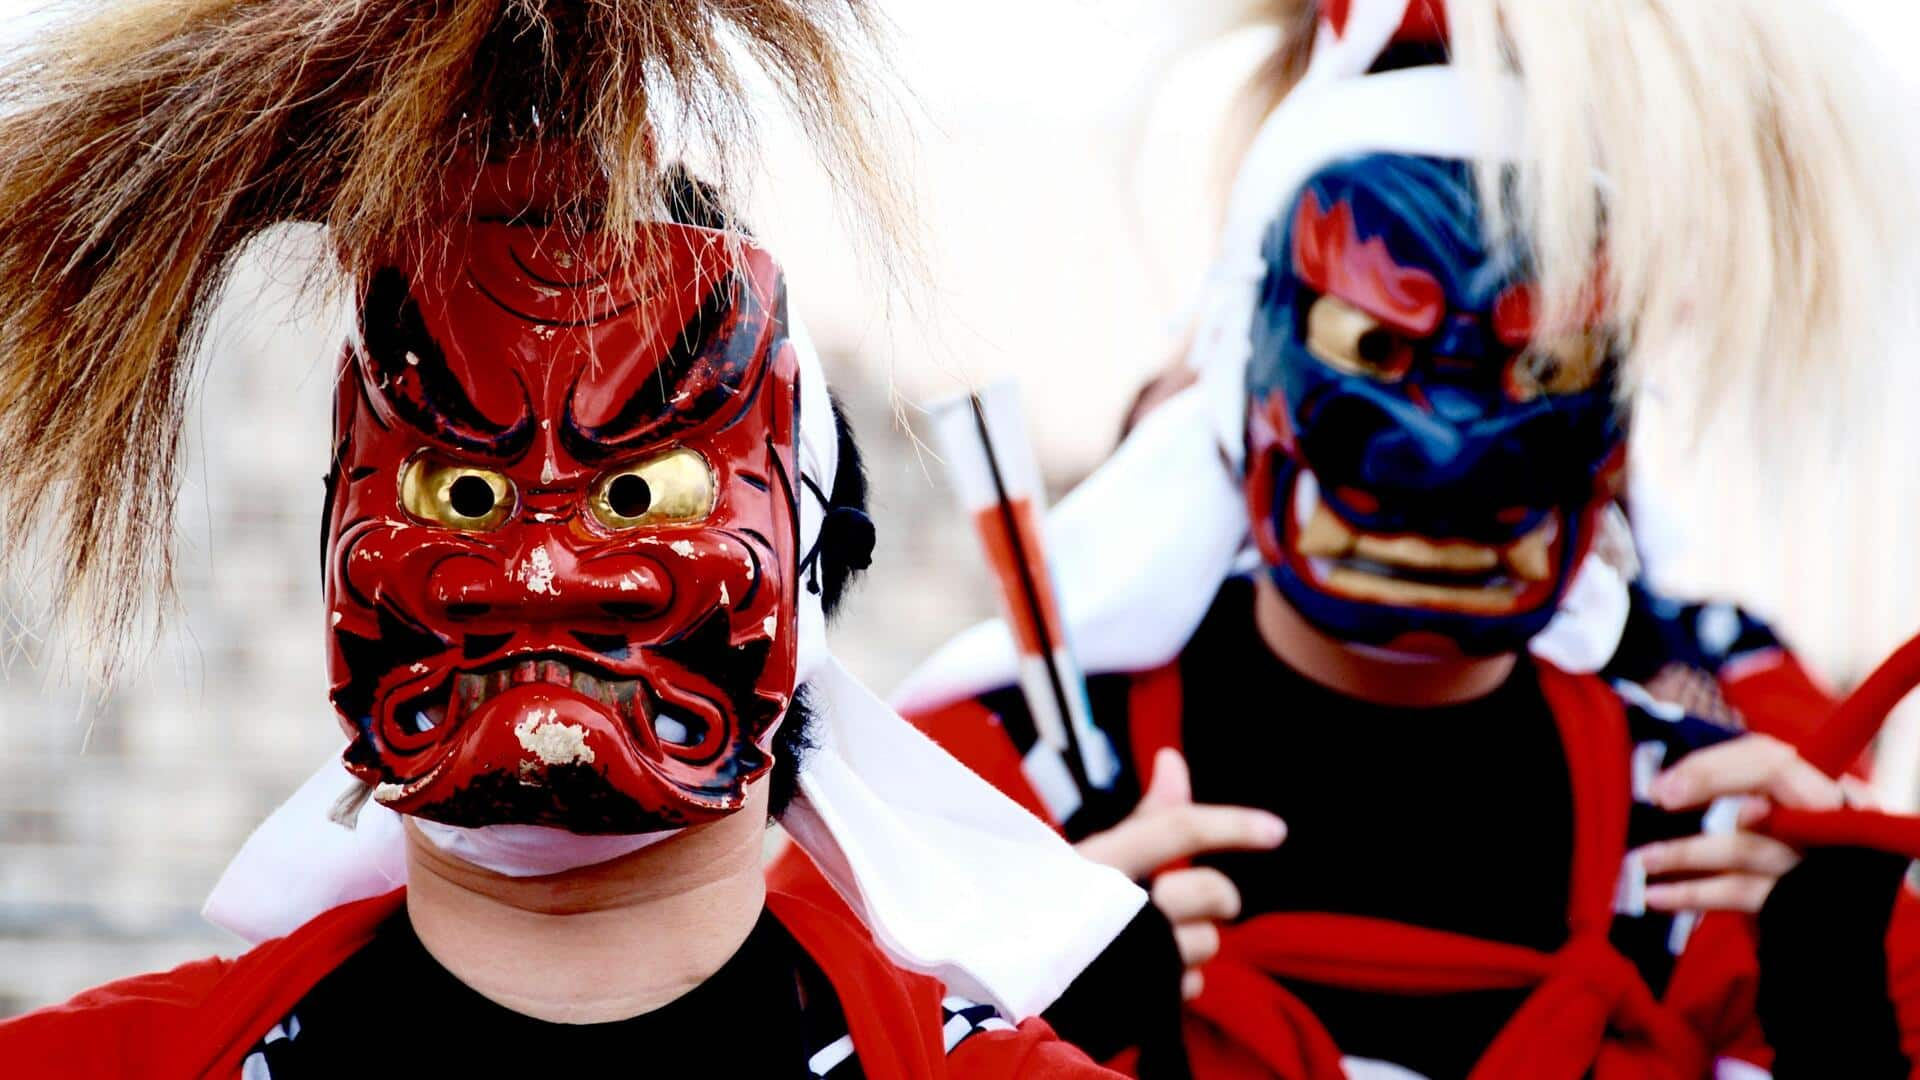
[706, 369]
[413, 376]
[1330, 257]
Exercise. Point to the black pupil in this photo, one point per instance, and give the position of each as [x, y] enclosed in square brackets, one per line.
[1376, 347]
[629, 496]
[470, 496]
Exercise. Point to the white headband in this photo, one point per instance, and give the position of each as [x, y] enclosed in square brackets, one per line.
[954, 879]
[1134, 587]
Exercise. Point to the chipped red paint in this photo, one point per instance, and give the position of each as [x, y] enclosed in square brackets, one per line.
[551, 642]
[1331, 258]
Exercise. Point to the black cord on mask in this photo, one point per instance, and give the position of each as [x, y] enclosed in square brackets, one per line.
[846, 529]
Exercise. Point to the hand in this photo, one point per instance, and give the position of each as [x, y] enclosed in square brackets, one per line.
[1734, 871]
[1167, 827]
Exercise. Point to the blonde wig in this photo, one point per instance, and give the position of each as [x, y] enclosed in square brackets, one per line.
[1751, 214]
[1722, 175]
[144, 142]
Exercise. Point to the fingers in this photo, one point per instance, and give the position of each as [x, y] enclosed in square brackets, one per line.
[1196, 894]
[1151, 838]
[1722, 892]
[1749, 765]
[1198, 942]
[1857, 792]
[1166, 826]
[1172, 785]
[1735, 852]
[1192, 900]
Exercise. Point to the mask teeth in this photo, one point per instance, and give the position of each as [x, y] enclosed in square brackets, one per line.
[429, 718]
[1529, 557]
[623, 693]
[586, 685]
[346, 809]
[671, 730]
[469, 690]
[678, 729]
[472, 691]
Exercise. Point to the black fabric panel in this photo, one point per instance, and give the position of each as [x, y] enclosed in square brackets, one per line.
[1823, 999]
[1129, 996]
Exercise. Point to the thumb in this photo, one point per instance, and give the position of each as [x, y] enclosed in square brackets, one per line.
[1171, 785]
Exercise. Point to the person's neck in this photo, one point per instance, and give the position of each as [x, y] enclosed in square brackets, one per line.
[1393, 679]
[601, 943]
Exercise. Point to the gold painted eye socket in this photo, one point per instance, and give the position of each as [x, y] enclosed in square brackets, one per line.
[1567, 365]
[456, 496]
[1350, 340]
[671, 488]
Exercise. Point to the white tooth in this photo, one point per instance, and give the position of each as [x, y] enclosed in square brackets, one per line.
[1413, 551]
[671, 730]
[1325, 535]
[1306, 498]
[424, 721]
[1528, 556]
[1490, 600]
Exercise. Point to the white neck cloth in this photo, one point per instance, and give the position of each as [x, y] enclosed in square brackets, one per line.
[954, 879]
[1134, 587]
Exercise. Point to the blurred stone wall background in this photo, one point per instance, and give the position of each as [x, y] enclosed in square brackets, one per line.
[1064, 158]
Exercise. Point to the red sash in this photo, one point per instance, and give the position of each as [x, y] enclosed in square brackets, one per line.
[1589, 1010]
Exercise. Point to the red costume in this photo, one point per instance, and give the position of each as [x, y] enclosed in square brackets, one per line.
[204, 1018]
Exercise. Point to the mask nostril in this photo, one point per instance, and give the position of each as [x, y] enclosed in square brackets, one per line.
[611, 646]
[629, 610]
[480, 646]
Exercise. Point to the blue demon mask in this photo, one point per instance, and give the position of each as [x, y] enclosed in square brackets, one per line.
[1424, 469]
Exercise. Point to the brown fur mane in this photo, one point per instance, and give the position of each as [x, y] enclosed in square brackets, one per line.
[144, 143]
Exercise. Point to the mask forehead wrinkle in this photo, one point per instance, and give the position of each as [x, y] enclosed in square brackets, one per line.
[530, 312]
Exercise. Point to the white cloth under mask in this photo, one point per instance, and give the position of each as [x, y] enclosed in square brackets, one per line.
[1134, 587]
[954, 879]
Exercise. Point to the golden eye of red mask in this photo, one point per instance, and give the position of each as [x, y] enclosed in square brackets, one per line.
[673, 488]
[455, 496]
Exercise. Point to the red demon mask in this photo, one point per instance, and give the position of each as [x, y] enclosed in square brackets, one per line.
[562, 530]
